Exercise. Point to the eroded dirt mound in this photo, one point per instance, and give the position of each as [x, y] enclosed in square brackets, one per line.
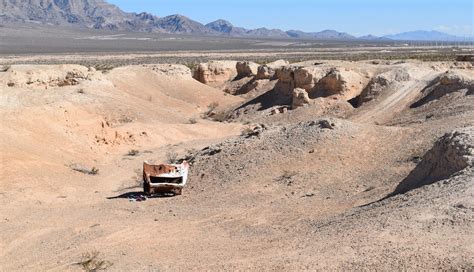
[381, 83]
[261, 147]
[450, 154]
[398, 232]
[171, 70]
[46, 76]
[265, 153]
[451, 81]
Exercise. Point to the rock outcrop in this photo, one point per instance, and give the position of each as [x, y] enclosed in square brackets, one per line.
[341, 83]
[172, 70]
[267, 71]
[321, 81]
[300, 98]
[286, 81]
[308, 77]
[445, 84]
[246, 69]
[451, 154]
[215, 73]
[23, 76]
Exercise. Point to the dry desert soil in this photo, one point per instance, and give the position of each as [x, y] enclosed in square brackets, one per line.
[318, 165]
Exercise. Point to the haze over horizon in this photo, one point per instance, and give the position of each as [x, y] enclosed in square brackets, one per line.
[357, 18]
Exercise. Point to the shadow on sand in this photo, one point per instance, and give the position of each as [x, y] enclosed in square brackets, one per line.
[140, 195]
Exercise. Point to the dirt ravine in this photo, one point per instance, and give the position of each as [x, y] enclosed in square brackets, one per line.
[316, 165]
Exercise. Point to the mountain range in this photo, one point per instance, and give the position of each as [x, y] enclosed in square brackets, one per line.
[98, 14]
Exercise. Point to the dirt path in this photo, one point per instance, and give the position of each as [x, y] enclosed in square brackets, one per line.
[394, 102]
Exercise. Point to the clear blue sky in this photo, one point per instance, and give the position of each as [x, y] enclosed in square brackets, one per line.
[358, 17]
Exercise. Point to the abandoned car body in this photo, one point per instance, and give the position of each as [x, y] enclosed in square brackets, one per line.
[164, 178]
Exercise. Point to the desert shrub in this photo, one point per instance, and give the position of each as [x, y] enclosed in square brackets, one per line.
[94, 171]
[85, 170]
[126, 119]
[246, 131]
[91, 262]
[81, 91]
[133, 152]
[104, 68]
[212, 114]
[5, 68]
[190, 65]
[192, 120]
[212, 107]
[171, 157]
[191, 154]
[219, 116]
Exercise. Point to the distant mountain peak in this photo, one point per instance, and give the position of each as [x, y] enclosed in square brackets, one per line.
[424, 35]
[371, 37]
[178, 23]
[99, 14]
[177, 17]
[221, 25]
[221, 22]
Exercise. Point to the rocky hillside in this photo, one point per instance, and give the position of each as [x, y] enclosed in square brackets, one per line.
[322, 35]
[98, 14]
[226, 27]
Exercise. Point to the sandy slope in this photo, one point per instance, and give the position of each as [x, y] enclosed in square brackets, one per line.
[48, 127]
[299, 192]
[397, 99]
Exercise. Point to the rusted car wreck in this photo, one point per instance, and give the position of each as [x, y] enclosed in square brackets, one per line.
[164, 178]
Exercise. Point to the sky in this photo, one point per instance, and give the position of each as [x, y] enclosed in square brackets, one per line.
[357, 17]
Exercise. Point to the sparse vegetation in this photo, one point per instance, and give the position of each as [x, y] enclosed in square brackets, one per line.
[171, 157]
[85, 170]
[212, 114]
[5, 68]
[212, 107]
[126, 119]
[81, 91]
[105, 68]
[94, 171]
[246, 131]
[190, 65]
[192, 120]
[191, 154]
[92, 262]
[220, 116]
[133, 152]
